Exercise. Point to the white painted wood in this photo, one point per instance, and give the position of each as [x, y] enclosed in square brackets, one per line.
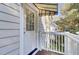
[47, 41]
[38, 36]
[15, 6]
[6, 17]
[67, 46]
[71, 42]
[62, 43]
[16, 52]
[78, 48]
[51, 44]
[9, 29]
[40, 41]
[9, 10]
[30, 41]
[56, 43]
[5, 33]
[59, 42]
[32, 7]
[7, 49]
[8, 41]
[44, 40]
[30, 37]
[21, 29]
[8, 25]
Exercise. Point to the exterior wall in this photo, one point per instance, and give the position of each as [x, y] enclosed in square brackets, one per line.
[30, 37]
[9, 29]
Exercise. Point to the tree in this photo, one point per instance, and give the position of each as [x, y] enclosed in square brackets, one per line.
[71, 21]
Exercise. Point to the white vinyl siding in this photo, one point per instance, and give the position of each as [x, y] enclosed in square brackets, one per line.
[9, 28]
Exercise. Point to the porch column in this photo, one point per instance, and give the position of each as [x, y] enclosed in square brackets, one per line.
[21, 30]
[67, 45]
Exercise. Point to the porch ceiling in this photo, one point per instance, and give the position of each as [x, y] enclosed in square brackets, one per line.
[47, 6]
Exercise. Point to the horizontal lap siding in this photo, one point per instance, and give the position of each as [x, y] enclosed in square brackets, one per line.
[6, 33]
[15, 52]
[14, 6]
[6, 17]
[9, 49]
[8, 41]
[9, 10]
[9, 25]
[9, 29]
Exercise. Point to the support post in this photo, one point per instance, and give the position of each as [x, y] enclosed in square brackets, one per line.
[21, 30]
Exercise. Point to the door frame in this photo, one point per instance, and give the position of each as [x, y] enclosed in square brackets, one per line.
[22, 30]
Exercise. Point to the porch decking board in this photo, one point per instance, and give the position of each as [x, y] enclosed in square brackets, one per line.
[44, 52]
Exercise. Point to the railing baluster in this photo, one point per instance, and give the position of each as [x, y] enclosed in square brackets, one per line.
[76, 48]
[51, 44]
[43, 41]
[40, 41]
[62, 43]
[59, 42]
[56, 42]
[46, 42]
[53, 38]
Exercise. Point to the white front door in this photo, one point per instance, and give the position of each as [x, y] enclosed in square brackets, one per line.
[30, 36]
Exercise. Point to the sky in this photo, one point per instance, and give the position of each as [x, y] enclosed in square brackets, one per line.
[60, 5]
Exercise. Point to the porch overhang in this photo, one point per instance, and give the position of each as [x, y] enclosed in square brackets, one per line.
[49, 8]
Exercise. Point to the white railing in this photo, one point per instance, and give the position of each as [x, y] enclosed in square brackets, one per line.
[71, 44]
[60, 42]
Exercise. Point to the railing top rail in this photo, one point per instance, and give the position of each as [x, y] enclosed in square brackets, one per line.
[66, 34]
[55, 33]
[72, 36]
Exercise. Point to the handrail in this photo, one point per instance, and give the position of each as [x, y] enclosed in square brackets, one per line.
[58, 33]
[72, 36]
[63, 33]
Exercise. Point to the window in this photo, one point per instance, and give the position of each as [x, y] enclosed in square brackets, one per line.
[29, 20]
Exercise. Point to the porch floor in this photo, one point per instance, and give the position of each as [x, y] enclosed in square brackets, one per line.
[44, 52]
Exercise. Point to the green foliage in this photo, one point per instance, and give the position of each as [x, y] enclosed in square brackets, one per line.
[71, 21]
